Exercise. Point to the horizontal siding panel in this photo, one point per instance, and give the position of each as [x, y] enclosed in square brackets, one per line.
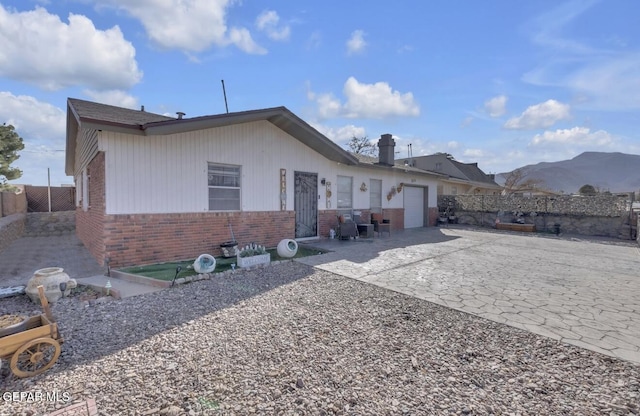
[168, 174]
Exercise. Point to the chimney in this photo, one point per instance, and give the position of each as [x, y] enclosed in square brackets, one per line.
[387, 150]
[180, 115]
[141, 108]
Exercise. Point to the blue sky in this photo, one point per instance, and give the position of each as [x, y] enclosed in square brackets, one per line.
[497, 82]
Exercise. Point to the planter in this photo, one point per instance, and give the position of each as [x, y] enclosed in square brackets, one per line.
[287, 248]
[15, 328]
[229, 249]
[254, 260]
[205, 263]
[50, 278]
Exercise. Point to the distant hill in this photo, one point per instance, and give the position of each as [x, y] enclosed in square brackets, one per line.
[613, 172]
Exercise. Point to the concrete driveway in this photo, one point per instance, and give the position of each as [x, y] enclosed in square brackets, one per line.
[578, 291]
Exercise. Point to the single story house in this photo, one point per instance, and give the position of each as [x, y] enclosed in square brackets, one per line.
[461, 178]
[155, 188]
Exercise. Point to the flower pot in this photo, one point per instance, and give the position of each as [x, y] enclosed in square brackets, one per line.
[254, 260]
[50, 278]
[287, 248]
[229, 249]
[205, 263]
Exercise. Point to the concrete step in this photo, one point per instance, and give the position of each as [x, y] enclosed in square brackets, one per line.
[119, 288]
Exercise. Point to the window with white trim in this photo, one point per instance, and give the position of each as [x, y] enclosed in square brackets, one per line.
[375, 196]
[224, 187]
[345, 192]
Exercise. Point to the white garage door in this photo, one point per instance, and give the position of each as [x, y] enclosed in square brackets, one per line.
[413, 207]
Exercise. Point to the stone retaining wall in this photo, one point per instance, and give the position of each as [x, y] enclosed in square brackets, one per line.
[11, 228]
[601, 215]
[41, 224]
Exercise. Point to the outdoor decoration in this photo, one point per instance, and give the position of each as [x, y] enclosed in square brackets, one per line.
[400, 187]
[50, 278]
[363, 187]
[205, 263]
[253, 255]
[391, 193]
[287, 248]
[283, 189]
[328, 193]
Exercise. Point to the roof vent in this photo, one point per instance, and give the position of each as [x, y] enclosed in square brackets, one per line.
[180, 115]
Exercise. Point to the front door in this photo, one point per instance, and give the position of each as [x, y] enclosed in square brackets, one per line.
[305, 204]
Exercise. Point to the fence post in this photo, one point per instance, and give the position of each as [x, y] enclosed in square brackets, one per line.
[49, 188]
[1, 203]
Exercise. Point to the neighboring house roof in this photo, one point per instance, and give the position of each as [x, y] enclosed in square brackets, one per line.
[90, 115]
[468, 172]
[398, 164]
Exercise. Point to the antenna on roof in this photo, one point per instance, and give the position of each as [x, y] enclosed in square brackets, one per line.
[225, 97]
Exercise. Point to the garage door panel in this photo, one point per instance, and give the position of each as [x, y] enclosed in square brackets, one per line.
[413, 207]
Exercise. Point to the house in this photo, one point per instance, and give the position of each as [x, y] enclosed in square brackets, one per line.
[461, 178]
[155, 188]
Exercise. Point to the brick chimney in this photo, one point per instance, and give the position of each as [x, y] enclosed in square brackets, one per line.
[387, 147]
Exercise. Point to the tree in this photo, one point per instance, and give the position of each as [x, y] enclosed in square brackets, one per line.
[588, 190]
[517, 181]
[362, 146]
[10, 145]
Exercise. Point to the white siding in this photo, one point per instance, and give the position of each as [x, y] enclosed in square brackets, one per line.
[168, 174]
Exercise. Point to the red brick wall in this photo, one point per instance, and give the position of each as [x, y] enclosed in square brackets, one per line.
[327, 220]
[396, 215]
[90, 223]
[150, 238]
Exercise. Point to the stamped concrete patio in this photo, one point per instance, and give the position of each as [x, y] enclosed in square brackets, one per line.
[584, 292]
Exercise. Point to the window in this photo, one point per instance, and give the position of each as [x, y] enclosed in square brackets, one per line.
[375, 195]
[345, 192]
[85, 189]
[438, 165]
[224, 187]
[454, 190]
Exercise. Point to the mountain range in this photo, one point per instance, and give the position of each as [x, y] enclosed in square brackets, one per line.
[613, 172]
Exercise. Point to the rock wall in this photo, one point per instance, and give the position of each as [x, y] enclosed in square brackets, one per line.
[40, 224]
[602, 215]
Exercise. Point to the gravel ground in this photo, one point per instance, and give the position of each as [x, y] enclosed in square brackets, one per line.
[288, 339]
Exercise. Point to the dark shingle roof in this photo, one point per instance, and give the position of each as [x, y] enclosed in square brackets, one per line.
[111, 114]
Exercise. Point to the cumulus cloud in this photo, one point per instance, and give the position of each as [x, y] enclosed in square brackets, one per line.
[268, 21]
[38, 48]
[539, 116]
[340, 135]
[42, 127]
[188, 25]
[118, 98]
[575, 136]
[376, 101]
[496, 106]
[356, 43]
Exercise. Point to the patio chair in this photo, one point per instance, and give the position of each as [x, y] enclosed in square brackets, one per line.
[346, 228]
[381, 225]
[365, 228]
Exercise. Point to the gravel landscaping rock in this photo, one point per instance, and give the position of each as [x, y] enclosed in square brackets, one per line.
[289, 339]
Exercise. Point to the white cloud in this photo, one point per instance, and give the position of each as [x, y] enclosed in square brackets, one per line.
[118, 98]
[34, 120]
[608, 77]
[575, 136]
[188, 25]
[37, 47]
[356, 42]
[539, 116]
[42, 127]
[496, 106]
[474, 153]
[377, 100]
[366, 101]
[340, 135]
[268, 22]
